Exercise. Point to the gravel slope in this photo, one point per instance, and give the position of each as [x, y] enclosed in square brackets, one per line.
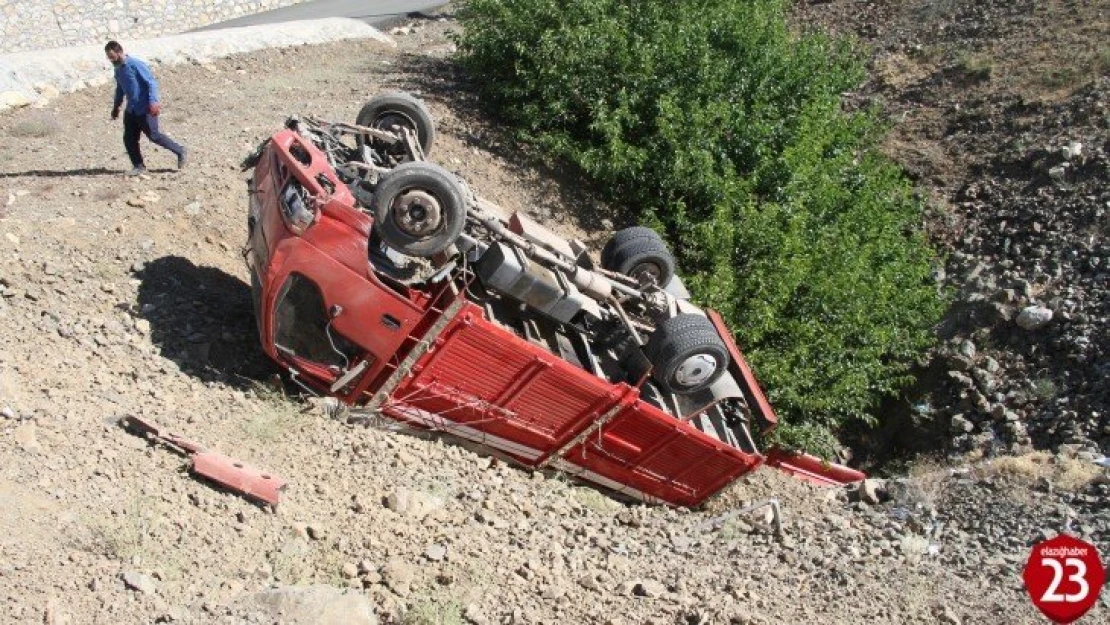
[998, 112]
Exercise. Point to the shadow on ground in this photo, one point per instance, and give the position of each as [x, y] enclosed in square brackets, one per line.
[202, 318]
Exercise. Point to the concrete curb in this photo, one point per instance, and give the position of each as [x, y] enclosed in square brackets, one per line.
[33, 78]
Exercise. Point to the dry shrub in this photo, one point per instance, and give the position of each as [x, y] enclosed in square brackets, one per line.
[36, 124]
[1064, 473]
[1074, 474]
[107, 194]
[434, 611]
[1028, 467]
[924, 484]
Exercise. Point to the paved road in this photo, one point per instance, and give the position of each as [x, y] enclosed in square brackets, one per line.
[376, 12]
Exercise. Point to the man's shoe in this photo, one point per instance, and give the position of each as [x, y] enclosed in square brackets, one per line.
[136, 171]
[182, 158]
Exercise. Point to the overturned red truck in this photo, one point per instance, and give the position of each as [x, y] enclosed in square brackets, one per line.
[380, 279]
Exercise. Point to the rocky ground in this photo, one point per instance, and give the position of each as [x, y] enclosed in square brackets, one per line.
[128, 297]
[999, 111]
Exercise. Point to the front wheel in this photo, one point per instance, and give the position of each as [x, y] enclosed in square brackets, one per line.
[393, 111]
[686, 353]
[419, 209]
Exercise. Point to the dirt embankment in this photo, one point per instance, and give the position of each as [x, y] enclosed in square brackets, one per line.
[998, 111]
[128, 297]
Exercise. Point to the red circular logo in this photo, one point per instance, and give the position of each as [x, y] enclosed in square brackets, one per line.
[1064, 576]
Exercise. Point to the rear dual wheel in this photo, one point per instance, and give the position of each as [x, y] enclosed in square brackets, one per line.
[687, 354]
[641, 254]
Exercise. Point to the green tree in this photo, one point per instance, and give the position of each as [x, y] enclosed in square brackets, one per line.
[722, 126]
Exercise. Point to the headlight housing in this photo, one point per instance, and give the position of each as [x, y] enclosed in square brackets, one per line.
[294, 208]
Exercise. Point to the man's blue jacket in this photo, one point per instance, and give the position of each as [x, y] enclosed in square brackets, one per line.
[135, 80]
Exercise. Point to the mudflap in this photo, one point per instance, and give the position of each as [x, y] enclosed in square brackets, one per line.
[812, 469]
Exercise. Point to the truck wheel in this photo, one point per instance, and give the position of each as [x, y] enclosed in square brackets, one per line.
[419, 209]
[642, 257]
[398, 109]
[620, 237]
[686, 353]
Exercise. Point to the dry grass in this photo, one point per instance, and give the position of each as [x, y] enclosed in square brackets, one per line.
[899, 71]
[107, 194]
[125, 536]
[1066, 55]
[279, 416]
[1064, 473]
[925, 483]
[913, 546]
[300, 561]
[129, 538]
[269, 426]
[36, 124]
[976, 66]
[434, 611]
[292, 563]
[594, 500]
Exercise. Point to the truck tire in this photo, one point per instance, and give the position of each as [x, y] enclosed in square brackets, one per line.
[686, 353]
[419, 209]
[621, 237]
[643, 257]
[398, 109]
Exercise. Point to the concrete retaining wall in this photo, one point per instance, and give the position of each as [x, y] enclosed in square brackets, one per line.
[38, 24]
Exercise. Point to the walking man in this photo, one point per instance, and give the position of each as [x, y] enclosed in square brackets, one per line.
[136, 82]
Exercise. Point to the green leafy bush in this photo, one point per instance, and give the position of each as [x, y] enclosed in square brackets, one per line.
[716, 123]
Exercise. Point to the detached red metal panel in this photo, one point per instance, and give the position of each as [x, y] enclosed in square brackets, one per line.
[248, 481]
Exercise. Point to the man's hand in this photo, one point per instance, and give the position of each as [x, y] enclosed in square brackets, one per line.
[155, 108]
[115, 112]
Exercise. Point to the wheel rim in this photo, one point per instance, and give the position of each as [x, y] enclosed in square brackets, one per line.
[386, 121]
[646, 270]
[695, 370]
[417, 213]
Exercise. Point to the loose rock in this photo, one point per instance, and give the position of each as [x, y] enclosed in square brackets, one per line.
[649, 588]
[310, 605]
[1033, 317]
[435, 552]
[871, 491]
[138, 582]
[398, 575]
[411, 503]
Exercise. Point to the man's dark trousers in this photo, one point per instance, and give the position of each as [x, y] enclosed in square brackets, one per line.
[136, 125]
